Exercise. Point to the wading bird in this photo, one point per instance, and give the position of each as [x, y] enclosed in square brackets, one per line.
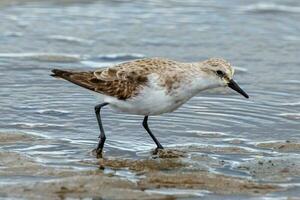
[151, 86]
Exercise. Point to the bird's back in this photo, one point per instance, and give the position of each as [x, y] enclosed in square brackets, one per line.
[122, 81]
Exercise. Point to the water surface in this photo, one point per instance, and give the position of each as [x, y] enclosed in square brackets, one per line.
[261, 38]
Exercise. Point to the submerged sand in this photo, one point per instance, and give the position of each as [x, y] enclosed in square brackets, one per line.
[169, 169]
[281, 146]
[155, 173]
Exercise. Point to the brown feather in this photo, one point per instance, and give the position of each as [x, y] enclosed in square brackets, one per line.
[125, 80]
[116, 87]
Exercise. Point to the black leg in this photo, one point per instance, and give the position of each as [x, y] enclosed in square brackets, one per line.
[102, 136]
[145, 124]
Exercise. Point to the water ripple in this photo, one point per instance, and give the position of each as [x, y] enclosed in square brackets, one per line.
[270, 8]
[292, 116]
[53, 112]
[36, 125]
[45, 57]
[71, 39]
[118, 57]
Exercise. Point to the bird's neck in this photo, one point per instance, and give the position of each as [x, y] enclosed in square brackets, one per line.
[200, 79]
[199, 84]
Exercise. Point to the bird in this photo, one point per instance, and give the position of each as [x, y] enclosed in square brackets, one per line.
[150, 86]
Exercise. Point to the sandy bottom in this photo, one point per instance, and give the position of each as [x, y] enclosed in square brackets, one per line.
[282, 146]
[169, 170]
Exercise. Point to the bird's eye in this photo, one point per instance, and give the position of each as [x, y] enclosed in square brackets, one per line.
[220, 73]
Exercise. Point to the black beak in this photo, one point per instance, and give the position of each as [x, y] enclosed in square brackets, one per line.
[233, 85]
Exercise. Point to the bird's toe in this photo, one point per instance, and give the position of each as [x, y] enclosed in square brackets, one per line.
[97, 153]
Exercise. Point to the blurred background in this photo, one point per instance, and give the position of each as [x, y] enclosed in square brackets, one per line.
[261, 38]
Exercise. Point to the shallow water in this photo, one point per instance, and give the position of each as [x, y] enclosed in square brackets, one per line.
[260, 38]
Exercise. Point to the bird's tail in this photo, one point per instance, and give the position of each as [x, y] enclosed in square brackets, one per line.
[83, 79]
[57, 73]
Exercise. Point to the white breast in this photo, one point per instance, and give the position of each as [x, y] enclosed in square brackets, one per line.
[151, 100]
[154, 99]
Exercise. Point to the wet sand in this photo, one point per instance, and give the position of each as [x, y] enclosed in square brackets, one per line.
[151, 174]
[282, 146]
[169, 169]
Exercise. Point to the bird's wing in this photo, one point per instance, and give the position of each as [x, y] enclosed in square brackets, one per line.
[121, 81]
[115, 81]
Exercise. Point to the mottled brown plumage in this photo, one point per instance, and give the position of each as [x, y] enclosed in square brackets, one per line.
[125, 80]
[121, 89]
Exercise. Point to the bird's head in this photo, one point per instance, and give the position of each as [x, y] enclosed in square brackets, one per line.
[222, 73]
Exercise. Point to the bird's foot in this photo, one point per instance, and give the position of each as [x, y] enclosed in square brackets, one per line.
[156, 150]
[98, 153]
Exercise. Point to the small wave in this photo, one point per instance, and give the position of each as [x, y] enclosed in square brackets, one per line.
[292, 38]
[13, 34]
[24, 107]
[293, 116]
[45, 57]
[110, 59]
[179, 192]
[70, 39]
[240, 70]
[292, 82]
[208, 134]
[35, 125]
[270, 8]
[53, 112]
[95, 64]
[119, 57]
[290, 104]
